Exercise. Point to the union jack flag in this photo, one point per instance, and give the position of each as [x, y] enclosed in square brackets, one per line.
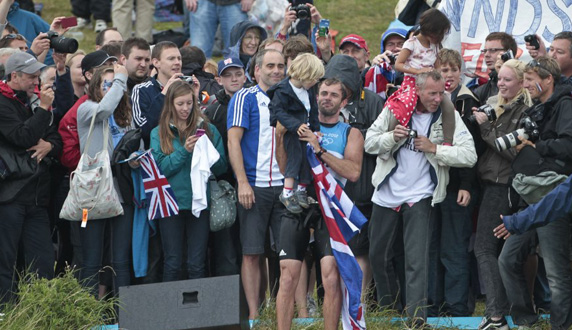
[160, 196]
[343, 220]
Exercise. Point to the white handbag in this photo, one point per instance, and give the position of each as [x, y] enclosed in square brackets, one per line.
[92, 194]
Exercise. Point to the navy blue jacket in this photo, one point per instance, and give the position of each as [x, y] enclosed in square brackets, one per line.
[147, 102]
[286, 108]
[555, 205]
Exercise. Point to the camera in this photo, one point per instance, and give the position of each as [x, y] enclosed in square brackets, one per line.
[188, 79]
[412, 134]
[528, 130]
[507, 55]
[62, 44]
[487, 110]
[302, 11]
[532, 40]
[392, 59]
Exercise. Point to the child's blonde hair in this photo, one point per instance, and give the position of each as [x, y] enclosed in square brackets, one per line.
[306, 67]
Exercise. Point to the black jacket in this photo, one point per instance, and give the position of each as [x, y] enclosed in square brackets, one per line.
[555, 141]
[206, 80]
[489, 89]
[362, 110]
[465, 178]
[216, 113]
[20, 129]
[286, 108]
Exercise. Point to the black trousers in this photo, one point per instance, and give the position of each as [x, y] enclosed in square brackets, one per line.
[100, 9]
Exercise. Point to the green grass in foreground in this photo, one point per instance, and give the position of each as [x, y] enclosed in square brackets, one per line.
[368, 18]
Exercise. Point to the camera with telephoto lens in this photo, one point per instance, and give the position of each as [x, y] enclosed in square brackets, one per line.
[487, 110]
[302, 11]
[532, 40]
[62, 44]
[412, 134]
[507, 56]
[188, 79]
[528, 130]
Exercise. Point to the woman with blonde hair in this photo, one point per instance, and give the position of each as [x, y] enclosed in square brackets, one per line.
[180, 126]
[494, 169]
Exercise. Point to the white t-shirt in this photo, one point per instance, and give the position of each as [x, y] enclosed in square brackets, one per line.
[420, 57]
[303, 96]
[411, 181]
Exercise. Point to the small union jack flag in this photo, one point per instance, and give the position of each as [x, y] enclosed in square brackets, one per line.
[160, 196]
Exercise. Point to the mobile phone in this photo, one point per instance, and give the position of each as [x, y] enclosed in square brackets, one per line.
[200, 132]
[324, 27]
[68, 22]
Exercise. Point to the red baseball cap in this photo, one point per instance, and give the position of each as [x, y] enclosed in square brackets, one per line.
[356, 40]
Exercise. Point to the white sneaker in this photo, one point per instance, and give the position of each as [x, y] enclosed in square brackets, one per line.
[100, 25]
[81, 23]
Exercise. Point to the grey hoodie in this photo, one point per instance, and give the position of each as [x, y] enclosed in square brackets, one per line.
[363, 109]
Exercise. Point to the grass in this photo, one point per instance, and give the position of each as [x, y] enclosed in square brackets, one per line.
[61, 303]
[368, 18]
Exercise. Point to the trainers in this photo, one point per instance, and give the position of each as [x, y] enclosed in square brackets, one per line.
[81, 23]
[302, 197]
[312, 308]
[489, 324]
[417, 324]
[291, 203]
[100, 25]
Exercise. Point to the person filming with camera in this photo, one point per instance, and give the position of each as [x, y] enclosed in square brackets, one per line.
[494, 172]
[549, 150]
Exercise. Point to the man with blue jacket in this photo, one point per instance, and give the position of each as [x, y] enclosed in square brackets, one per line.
[410, 178]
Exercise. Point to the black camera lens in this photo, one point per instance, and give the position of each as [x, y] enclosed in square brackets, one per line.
[62, 44]
[507, 56]
[392, 59]
[532, 40]
[302, 11]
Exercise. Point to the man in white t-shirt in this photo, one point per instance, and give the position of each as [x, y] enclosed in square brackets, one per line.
[410, 178]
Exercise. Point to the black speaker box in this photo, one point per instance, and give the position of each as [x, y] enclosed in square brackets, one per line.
[208, 303]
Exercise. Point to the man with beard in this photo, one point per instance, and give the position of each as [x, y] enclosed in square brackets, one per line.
[342, 153]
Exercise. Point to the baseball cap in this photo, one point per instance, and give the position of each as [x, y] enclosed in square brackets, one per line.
[22, 62]
[356, 40]
[228, 63]
[94, 60]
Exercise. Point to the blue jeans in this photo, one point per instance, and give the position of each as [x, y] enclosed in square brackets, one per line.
[450, 283]
[27, 226]
[554, 240]
[92, 238]
[204, 22]
[174, 230]
[417, 223]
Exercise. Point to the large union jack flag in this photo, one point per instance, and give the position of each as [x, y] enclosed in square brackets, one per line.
[160, 196]
[343, 220]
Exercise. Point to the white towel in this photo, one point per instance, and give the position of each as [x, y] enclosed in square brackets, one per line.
[204, 156]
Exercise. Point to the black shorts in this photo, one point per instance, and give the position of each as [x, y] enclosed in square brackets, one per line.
[254, 222]
[295, 235]
[359, 244]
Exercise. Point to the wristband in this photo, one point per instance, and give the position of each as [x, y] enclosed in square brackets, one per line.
[320, 153]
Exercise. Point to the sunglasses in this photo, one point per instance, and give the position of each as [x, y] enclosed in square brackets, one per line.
[14, 36]
[535, 64]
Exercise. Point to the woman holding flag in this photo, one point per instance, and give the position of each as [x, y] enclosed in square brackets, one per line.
[178, 143]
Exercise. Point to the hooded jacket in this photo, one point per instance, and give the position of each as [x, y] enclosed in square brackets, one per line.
[286, 108]
[236, 34]
[555, 141]
[489, 89]
[362, 110]
[21, 127]
[392, 31]
[29, 25]
[206, 80]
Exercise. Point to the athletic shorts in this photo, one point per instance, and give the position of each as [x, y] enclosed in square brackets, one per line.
[254, 223]
[295, 235]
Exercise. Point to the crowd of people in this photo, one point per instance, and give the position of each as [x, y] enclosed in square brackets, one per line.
[432, 162]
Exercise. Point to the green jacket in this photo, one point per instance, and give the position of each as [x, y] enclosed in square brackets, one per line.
[177, 166]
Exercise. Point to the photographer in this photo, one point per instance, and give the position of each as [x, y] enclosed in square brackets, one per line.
[494, 171]
[554, 119]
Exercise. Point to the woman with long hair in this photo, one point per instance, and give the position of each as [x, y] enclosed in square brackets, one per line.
[494, 169]
[108, 101]
[173, 143]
